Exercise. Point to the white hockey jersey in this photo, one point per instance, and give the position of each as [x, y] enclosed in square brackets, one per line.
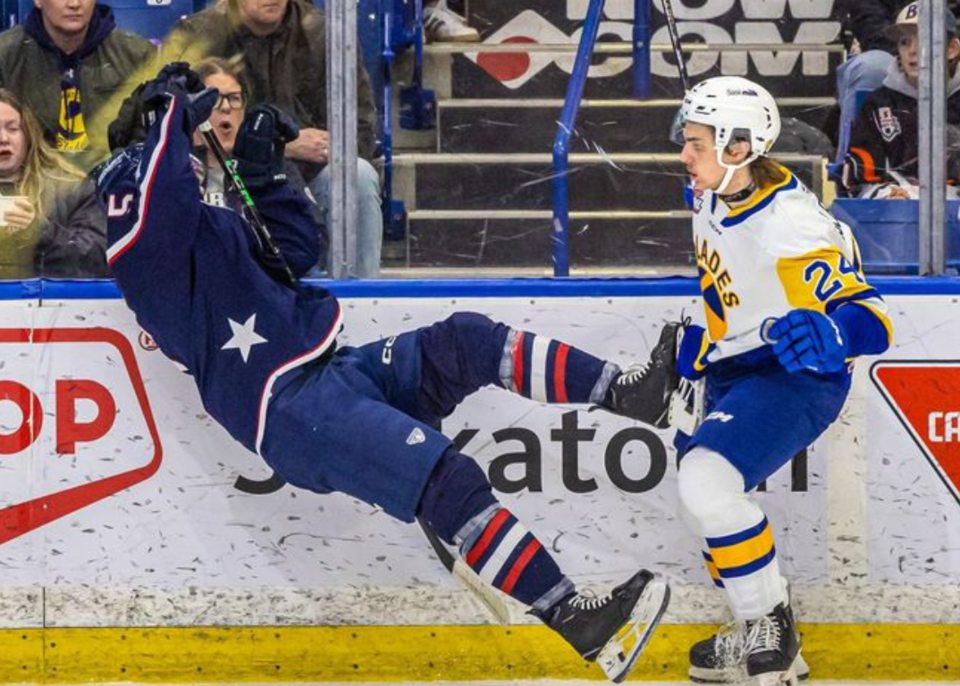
[780, 251]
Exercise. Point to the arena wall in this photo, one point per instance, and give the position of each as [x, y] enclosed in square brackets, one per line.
[129, 553]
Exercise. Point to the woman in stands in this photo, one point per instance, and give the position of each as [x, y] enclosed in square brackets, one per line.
[51, 223]
[228, 78]
[883, 158]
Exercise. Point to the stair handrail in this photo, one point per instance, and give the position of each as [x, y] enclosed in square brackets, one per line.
[388, 54]
[641, 49]
[560, 229]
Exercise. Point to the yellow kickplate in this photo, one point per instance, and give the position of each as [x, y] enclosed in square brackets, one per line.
[385, 653]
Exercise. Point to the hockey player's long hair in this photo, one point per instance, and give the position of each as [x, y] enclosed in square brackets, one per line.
[766, 171]
[40, 161]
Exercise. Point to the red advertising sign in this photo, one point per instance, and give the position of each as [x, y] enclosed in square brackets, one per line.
[925, 396]
[75, 423]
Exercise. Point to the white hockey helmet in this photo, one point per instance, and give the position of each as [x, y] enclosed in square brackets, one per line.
[738, 110]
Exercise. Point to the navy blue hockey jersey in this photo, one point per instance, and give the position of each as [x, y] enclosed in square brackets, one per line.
[191, 273]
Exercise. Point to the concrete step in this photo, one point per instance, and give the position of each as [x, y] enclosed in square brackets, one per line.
[503, 125]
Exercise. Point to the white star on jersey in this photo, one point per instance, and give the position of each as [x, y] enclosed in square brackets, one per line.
[244, 337]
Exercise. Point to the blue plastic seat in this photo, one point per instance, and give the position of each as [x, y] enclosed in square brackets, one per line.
[887, 233]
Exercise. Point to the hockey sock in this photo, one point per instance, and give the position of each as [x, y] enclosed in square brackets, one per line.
[747, 564]
[712, 568]
[458, 491]
[739, 538]
[548, 371]
[506, 555]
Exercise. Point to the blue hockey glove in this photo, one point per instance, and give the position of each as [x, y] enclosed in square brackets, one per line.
[177, 79]
[806, 339]
[260, 144]
[692, 356]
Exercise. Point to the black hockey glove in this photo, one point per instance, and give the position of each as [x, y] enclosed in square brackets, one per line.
[177, 79]
[261, 140]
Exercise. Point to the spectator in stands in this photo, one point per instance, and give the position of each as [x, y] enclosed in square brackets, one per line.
[883, 158]
[443, 25]
[54, 226]
[67, 60]
[283, 47]
[228, 113]
[872, 24]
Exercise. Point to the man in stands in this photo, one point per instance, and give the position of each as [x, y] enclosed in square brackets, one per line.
[284, 49]
[67, 61]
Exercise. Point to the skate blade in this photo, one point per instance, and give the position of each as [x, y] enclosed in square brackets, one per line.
[788, 677]
[620, 653]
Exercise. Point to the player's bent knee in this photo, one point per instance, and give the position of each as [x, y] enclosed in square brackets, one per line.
[708, 485]
[458, 490]
[470, 324]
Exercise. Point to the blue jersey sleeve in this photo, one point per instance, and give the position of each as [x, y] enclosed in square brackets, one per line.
[288, 216]
[156, 210]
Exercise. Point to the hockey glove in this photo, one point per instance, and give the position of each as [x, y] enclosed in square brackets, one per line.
[808, 340]
[692, 356]
[178, 80]
[260, 144]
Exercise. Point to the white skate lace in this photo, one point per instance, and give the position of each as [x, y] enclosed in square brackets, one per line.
[762, 635]
[632, 374]
[730, 644]
[588, 601]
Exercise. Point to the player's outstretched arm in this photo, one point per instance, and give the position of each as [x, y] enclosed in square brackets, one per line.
[150, 190]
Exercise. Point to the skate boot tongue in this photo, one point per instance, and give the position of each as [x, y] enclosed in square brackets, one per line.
[772, 645]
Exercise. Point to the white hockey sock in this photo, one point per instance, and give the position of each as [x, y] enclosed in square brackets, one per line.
[738, 536]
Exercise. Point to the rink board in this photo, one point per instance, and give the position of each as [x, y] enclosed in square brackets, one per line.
[123, 531]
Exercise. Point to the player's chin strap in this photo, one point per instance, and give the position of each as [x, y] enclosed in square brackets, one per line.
[731, 169]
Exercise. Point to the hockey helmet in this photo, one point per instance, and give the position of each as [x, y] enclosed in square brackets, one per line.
[738, 110]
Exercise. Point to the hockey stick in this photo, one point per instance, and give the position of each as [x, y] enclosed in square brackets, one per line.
[675, 42]
[230, 169]
[488, 596]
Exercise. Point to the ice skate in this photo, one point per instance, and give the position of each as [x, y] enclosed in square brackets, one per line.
[612, 630]
[772, 646]
[643, 392]
[721, 659]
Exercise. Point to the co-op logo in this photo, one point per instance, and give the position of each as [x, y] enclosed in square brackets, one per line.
[715, 22]
[75, 423]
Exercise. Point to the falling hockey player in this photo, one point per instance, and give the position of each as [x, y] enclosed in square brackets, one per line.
[359, 420]
[787, 309]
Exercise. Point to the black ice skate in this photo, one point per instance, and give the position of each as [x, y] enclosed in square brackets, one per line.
[721, 659]
[772, 645]
[612, 630]
[643, 392]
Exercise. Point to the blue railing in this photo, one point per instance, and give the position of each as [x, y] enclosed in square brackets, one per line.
[387, 16]
[641, 49]
[571, 106]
